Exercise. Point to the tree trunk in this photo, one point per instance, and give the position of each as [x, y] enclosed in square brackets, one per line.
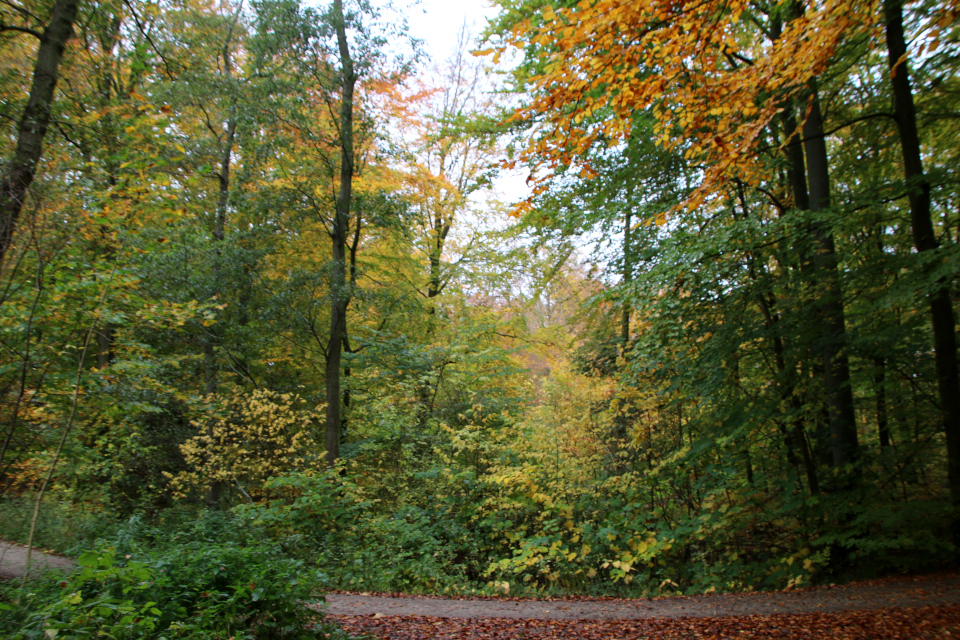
[627, 277]
[211, 366]
[924, 238]
[797, 178]
[339, 296]
[19, 172]
[426, 389]
[441, 228]
[792, 429]
[879, 380]
[843, 427]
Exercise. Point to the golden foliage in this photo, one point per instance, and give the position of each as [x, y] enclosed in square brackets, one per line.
[713, 84]
[253, 438]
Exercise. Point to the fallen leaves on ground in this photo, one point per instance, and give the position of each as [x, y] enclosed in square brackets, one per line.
[896, 623]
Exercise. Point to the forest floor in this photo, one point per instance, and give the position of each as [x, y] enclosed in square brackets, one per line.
[902, 608]
[890, 608]
[13, 561]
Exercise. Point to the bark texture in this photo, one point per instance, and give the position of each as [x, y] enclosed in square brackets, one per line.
[19, 172]
[925, 240]
[339, 294]
[832, 323]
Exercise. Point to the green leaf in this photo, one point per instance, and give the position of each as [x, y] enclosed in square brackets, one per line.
[88, 559]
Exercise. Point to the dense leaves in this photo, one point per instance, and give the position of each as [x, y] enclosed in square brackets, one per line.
[262, 271]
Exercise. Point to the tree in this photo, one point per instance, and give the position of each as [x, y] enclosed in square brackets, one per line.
[19, 171]
[924, 238]
[719, 110]
[337, 62]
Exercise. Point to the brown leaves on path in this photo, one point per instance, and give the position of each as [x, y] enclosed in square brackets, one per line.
[896, 623]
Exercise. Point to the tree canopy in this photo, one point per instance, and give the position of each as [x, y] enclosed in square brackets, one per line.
[256, 262]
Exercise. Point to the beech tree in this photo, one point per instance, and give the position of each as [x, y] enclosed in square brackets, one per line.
[941, 306]
[342, 61]
[20, 169]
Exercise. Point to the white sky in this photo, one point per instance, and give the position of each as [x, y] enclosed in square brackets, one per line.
[436, 22]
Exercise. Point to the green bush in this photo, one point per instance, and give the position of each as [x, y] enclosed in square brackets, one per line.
[60, 526]
[196, 590]
[410, 548]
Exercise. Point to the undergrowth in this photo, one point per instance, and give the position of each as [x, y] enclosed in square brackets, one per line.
[207, 578]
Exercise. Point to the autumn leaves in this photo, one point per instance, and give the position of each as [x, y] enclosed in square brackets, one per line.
[714, 77]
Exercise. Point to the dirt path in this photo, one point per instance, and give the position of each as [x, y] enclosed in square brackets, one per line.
[13, 561]
[937, 591]
[941, 589]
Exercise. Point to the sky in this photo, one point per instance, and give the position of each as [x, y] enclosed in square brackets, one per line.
[436, 22]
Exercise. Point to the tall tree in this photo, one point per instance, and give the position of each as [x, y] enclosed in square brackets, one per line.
[829, 297]
[339, 294]
[331, 70]
[19, 171]
[925, 239]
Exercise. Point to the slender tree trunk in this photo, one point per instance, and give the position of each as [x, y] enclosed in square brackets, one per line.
[627, 276]
[797, 166]
[797, 178]
[211, 366]
[883, 422]
[441, 228]
[843, 427]
[621, 419]
[924, 238]
[19, 172]
[735, 380]
[219, 234]
[347, 371]
[339, 296]
[108, 89]
[426, 389]
[792, 428]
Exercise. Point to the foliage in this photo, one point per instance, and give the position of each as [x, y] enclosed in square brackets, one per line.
[329, 520]
[195, 589]
[62, 527]
[626, 389]
[248, 439]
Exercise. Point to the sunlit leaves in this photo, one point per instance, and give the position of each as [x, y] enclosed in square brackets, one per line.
[713, 84]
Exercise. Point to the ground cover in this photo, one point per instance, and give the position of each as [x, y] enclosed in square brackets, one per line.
[891, 608]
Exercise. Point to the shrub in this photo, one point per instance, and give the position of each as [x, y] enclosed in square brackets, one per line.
[198, 590]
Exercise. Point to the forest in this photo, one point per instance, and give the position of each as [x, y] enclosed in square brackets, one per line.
[273, 323]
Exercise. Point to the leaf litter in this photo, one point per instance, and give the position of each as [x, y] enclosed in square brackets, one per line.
[920, 608]
[895, 623]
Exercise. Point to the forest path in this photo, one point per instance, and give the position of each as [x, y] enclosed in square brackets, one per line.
[938, 589]
[13, 561]
[926, 607]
